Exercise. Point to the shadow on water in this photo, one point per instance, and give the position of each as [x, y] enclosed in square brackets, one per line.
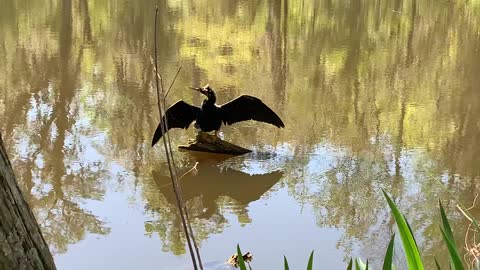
[210, 182]
[213, 193]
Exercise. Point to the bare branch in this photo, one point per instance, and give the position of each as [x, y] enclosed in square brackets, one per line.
[174, 79]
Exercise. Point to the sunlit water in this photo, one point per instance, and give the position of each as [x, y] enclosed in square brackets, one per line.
[374, 94]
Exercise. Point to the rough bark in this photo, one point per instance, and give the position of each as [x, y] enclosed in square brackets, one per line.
[208, 143]
[22, 245]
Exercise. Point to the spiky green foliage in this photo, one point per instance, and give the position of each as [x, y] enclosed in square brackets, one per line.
[285, 263]
[409, 245]
[450, 241]
[310, 262]
[241, 262]
[350, 265]
[412, 254]
[387, 262]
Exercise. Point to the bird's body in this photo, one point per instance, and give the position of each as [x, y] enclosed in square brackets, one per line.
[210, 116]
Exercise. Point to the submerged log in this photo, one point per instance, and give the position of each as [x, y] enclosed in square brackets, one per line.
[205, 142]
[22, 245]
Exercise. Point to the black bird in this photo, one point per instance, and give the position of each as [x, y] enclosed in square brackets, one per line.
[211, 116]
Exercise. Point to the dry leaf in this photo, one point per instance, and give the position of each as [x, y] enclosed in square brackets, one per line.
[233, 260]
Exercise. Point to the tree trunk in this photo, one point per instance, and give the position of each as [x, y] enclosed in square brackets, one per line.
[22, 245]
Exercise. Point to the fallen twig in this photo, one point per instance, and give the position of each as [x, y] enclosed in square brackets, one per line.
[471, 245]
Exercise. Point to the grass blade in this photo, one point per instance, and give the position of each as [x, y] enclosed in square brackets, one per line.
[357, 266]
[360, 265]
[412, 254]
[285, 263]
[462, 207]
[387, 262]
[410, 229]
[446, 225]
[241, 263]
[437, 264]
[449, 240]
[310, 262]
[349, 267]
[452, 249]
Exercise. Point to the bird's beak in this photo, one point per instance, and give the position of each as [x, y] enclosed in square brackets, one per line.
[199, 89]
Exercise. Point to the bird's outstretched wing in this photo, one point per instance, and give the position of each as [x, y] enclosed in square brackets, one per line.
[179, 115]
[246, 108]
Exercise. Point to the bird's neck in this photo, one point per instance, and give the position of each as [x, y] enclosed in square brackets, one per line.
[210, 101]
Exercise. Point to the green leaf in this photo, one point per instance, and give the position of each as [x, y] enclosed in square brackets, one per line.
[446, 225]
[412, 254]
[462, 207]
[349, 267]
[452, 249]
[437, 264]
[449, 240]
[387, 262]
[410, 229]
[285, 263]
[241, 263]
[359, 265]
[310, 262]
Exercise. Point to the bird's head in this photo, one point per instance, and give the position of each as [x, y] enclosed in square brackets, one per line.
[207, 91]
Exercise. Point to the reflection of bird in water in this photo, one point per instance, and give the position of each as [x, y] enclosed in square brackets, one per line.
[212, 182]
[211, 116]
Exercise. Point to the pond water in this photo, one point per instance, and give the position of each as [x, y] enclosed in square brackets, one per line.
[374, 94]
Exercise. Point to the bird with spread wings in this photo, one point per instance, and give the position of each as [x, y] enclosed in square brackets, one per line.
[210, 116]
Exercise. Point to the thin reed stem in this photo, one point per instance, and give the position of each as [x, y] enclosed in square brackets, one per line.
[169, 154]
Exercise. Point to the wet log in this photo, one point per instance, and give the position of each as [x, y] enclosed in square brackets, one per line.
[22, 245]
[205, 142]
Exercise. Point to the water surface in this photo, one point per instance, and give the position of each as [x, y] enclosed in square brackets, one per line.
[374, 94]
